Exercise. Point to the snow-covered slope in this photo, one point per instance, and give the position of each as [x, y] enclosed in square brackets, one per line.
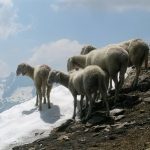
[23, 123]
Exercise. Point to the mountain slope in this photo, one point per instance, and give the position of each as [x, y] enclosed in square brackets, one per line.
[15, 90]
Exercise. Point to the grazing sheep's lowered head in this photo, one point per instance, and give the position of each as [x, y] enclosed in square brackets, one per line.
[54, 77]
[22, 68]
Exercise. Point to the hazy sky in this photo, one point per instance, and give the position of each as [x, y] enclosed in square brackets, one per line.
[50, 31]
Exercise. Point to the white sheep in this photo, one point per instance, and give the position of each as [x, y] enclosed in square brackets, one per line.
[39, 75]
[84, 82]
[112, 59]
[138, 51]
[86, 49]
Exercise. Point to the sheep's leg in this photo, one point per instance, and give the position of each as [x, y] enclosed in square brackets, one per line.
[110, 84]
[38, 89]
[116, 88]
[90, 106]
[135, 81]
[48, 95]
[104, 95]
[44, 90]
[95, 97]
[86, 103]
[81, 105]
[36, 99]
[75, 105]
[121, 80]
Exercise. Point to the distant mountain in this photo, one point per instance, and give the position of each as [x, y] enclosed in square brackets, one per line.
[15, 90]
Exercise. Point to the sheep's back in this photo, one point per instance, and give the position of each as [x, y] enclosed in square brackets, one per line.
[76, 82]
[138, 49]
[108, 58]
[96, 57]
[41, 71]
[91, 75]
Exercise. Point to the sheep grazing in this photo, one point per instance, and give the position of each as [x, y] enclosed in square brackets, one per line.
[112, 59]
[84, 82]
[39, 75]
[86, 49]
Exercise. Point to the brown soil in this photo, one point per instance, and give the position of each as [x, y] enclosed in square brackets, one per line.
[128, 129]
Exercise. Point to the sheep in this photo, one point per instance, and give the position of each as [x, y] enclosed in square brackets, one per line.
[86, 49]
[39, 75]
[84, 82]
[138, 51]
[112, 59]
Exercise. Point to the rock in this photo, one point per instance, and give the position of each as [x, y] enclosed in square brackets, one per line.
[98, 128]
[95, 134]
[147, 100]
[63, 137]
[121, 126]
[116, 125]
[141, 128]
[112, 138]
[106, 129]
[142, 111]
[117, 118]
[32, 148]
[94, 120]
[116, 111]
[147, 144]
[74, 128]
[66, 138]
[41, 133]
[82, 141]
[87, 130]
[36, 134]
[130, 123]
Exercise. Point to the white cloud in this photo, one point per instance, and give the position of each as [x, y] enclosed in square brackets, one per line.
[55, 7]
[8, 14]
[4, 69]
[6, 2]
[116, 5]
[55, 54]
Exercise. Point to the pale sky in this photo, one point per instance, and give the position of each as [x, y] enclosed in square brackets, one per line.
[50, 31]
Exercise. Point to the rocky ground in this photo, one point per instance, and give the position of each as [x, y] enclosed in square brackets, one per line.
[128, 128]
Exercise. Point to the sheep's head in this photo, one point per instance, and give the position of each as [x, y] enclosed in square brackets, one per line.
[22, 68]
[87, 49]
[54, 77]
[82, 51]
[71, 65]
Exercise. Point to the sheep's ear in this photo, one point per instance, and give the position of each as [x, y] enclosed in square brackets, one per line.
[71, 63]
[82, 51]
[57, 77]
